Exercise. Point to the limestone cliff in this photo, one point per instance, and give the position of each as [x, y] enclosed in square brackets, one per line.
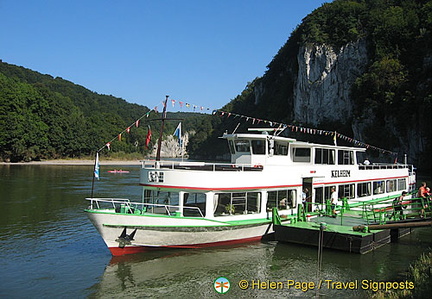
[362, 68]
[324, 79]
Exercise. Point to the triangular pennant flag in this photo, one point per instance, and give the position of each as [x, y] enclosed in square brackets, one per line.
[148, 137]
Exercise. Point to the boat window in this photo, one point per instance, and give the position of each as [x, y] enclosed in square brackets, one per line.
[301, 154]
[319, 195]
[231, 146]
[322, 195]
[402, 184]
[194, 204]
[242, 146]
[282, 199]
[391, 185]
[378, 187]
[253, 202]
[281, 148]
[237, 203]
[363, 189]
[346, 190]
[324, 156]
[258, 147]
[345, 157]
[328, 192]
[161, 202]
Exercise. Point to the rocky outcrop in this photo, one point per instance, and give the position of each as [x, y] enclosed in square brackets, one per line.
[324, 79]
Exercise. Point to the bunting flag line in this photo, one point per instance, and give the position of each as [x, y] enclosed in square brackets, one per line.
[155, 109]
[312, 131]
[136, 123]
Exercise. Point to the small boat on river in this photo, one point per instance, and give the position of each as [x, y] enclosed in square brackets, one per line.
[198, 204]
[118, 171]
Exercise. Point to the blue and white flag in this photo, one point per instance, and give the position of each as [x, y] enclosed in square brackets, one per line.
[96, 169]
[177, 133]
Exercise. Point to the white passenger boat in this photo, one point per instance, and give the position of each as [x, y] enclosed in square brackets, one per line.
[197, 204]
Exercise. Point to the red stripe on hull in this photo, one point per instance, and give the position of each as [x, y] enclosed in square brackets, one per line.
[117, 251]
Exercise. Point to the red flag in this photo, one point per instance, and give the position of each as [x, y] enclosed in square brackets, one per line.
[148, 138]
[119, 137]
[128, 129]
[137, 123]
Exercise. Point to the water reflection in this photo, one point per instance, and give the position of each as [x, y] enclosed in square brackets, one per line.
[192, 272]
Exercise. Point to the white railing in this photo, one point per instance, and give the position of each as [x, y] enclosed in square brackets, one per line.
[203, 166]
[384, 166]
[121, 205]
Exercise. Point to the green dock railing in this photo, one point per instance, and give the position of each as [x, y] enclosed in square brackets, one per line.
[381, 210]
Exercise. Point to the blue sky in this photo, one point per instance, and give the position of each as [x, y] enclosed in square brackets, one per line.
[200, 52]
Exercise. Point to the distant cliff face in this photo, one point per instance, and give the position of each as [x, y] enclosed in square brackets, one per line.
[362, 68]
[324, 79]
[322, 89]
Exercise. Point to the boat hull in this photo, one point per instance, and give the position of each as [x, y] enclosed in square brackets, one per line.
[126, 234]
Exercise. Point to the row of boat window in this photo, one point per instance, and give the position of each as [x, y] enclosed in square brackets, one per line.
[194, 204]
[363, 189]
[300, 154]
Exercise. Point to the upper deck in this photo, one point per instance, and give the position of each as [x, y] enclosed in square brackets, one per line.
[266, 149]
[268, 161]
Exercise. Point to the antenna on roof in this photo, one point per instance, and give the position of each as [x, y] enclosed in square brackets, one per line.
[238, 125]
[280, 130]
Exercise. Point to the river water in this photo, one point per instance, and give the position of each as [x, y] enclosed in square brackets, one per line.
[49, 249]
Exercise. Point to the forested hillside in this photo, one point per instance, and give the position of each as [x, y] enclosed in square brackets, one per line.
[381, 48]
[359, 67]
[42, 117]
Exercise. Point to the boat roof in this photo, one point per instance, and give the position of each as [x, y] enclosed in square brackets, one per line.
[264, 135]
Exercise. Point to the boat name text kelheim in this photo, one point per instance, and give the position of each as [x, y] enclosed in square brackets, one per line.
[340, 174]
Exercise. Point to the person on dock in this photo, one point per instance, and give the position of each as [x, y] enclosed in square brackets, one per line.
[398, 206]
[305, 196]
[422, 198]
[333, 201]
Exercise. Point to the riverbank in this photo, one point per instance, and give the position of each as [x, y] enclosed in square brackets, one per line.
[76, 162]
[418, 277]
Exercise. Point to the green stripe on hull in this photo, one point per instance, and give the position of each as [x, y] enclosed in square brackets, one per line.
[188, 228]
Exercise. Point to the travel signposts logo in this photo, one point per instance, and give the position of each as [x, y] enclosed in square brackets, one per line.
[221, 285]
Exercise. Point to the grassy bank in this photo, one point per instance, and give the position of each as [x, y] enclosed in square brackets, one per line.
[420, 275]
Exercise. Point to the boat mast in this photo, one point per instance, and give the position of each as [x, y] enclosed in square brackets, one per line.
[158, 152]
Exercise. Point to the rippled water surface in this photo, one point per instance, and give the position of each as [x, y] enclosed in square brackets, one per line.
[49, 249]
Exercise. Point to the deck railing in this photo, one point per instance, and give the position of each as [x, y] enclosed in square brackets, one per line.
[386, 166]
[121, 205]
[374, 211]
[203, 166]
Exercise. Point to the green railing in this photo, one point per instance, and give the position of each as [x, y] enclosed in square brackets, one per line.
[379, 210]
